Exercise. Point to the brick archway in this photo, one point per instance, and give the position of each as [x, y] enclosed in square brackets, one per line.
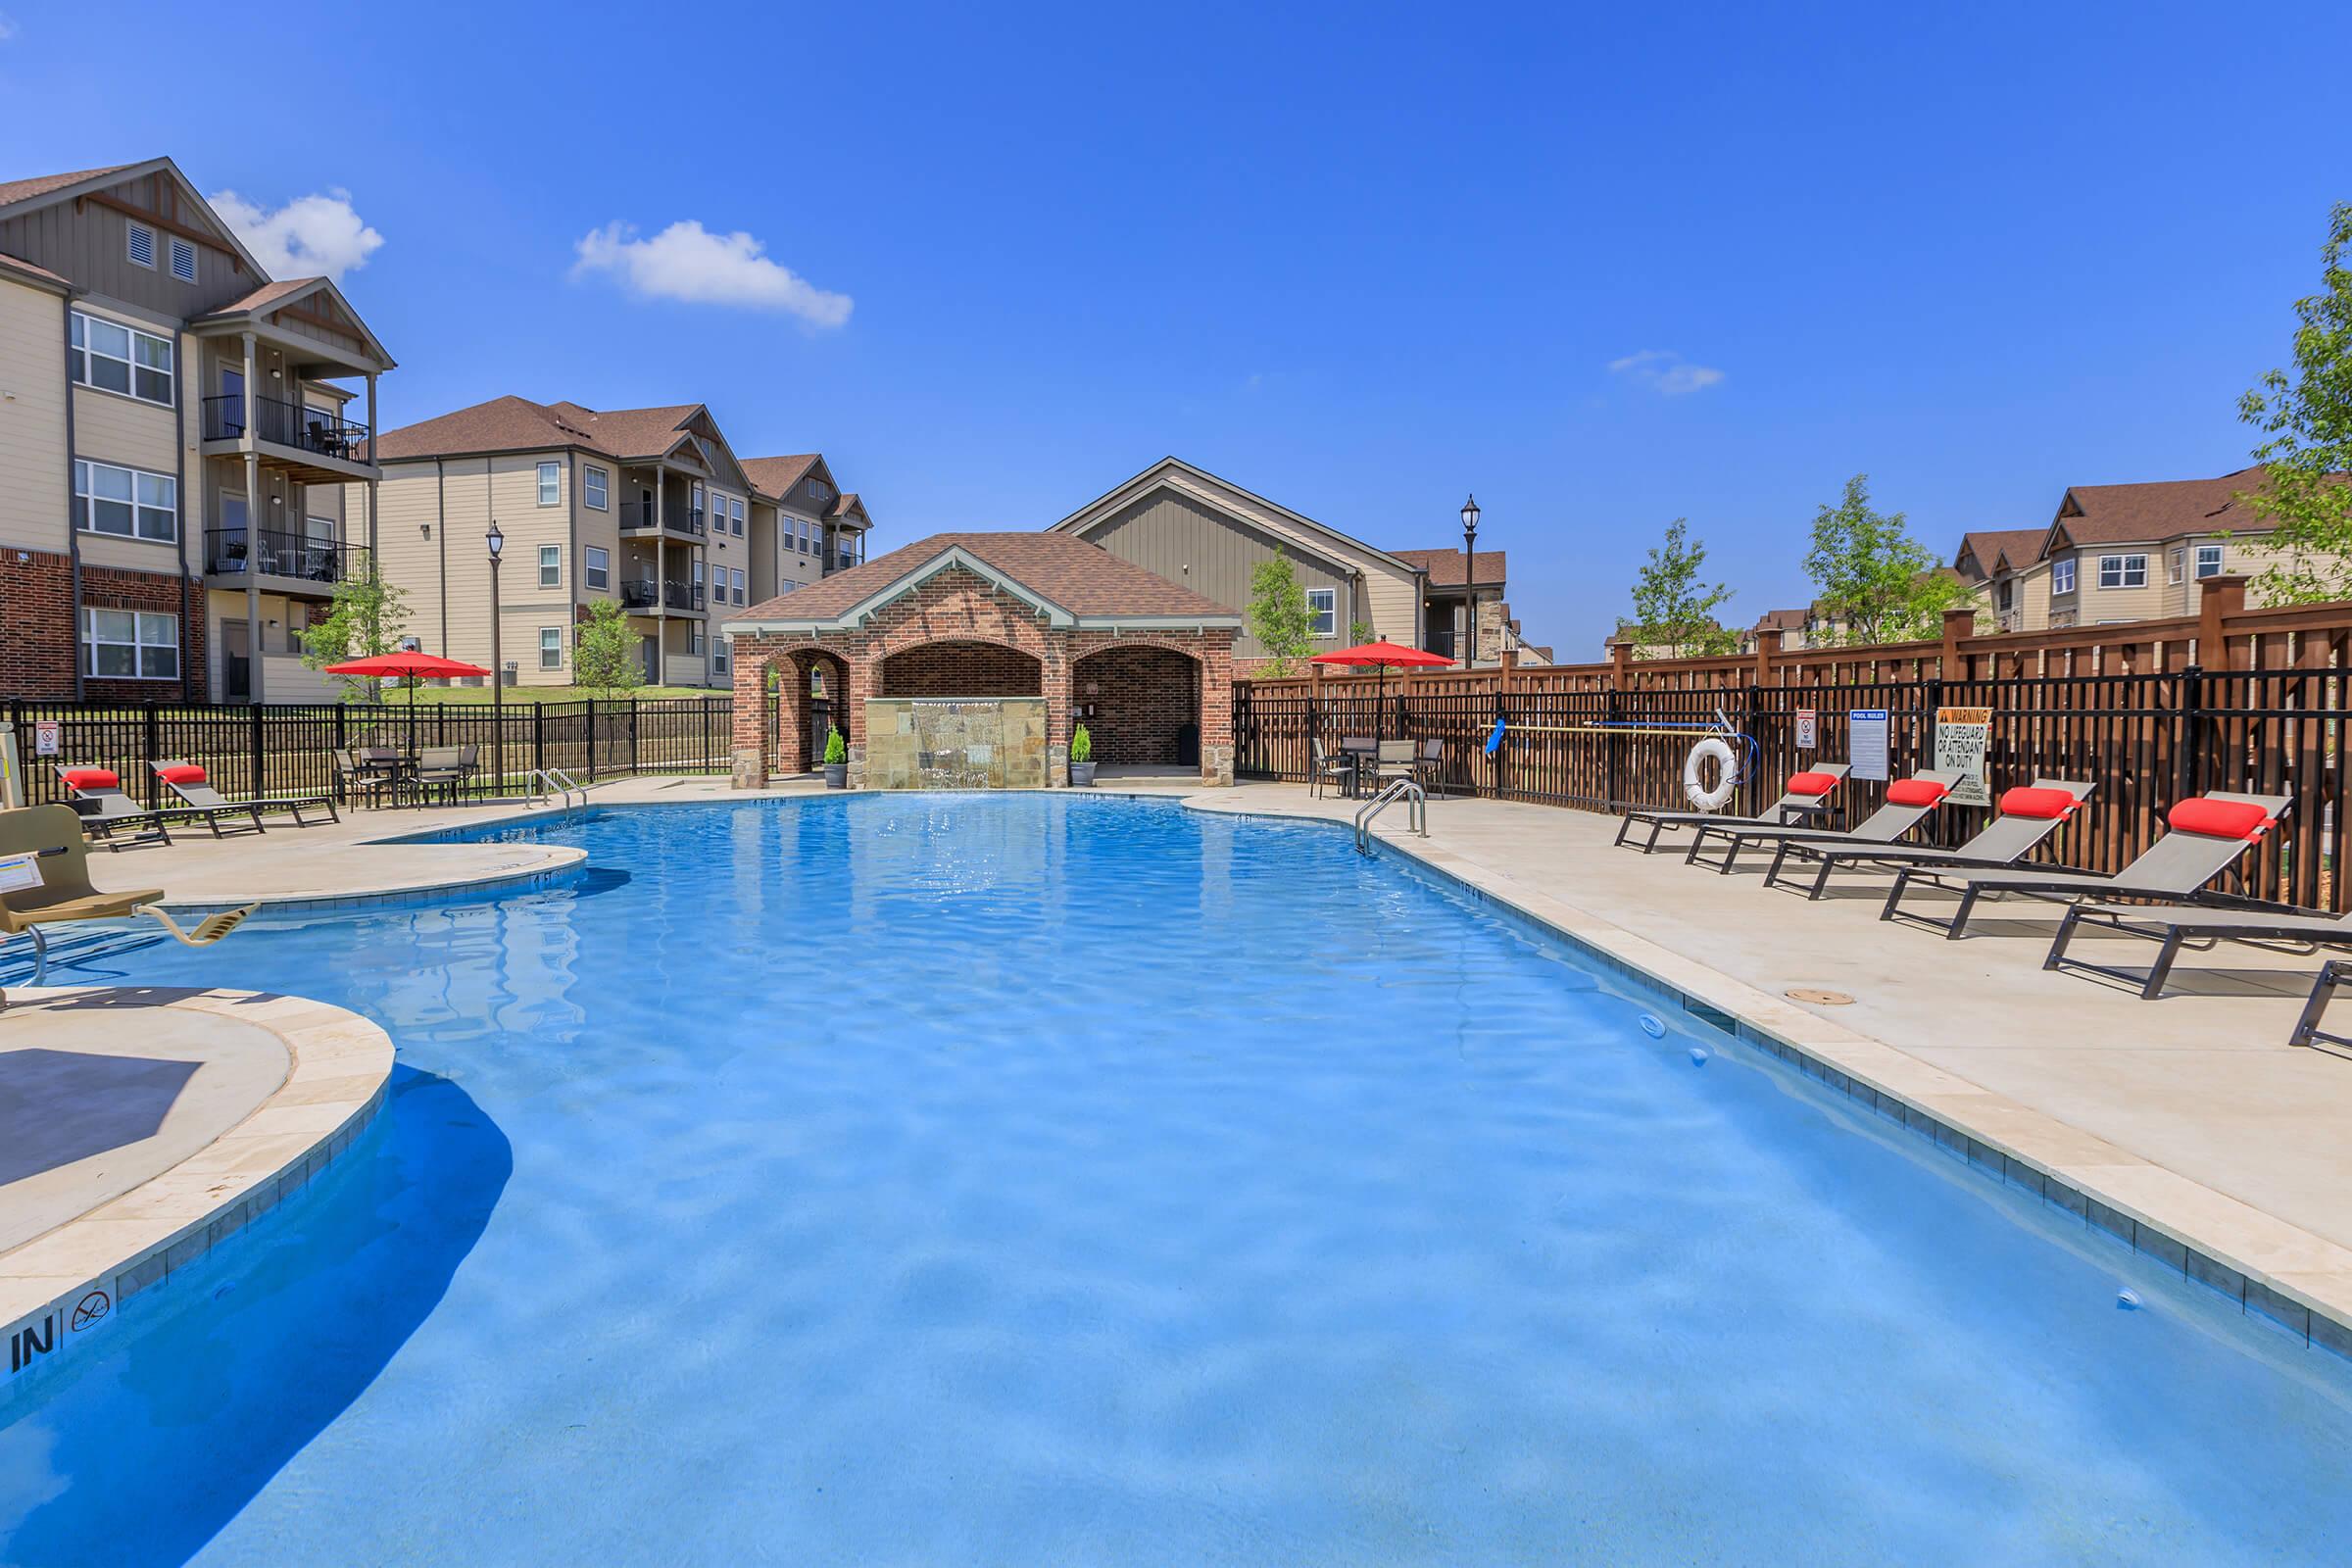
[961, 666]
[1138, 701]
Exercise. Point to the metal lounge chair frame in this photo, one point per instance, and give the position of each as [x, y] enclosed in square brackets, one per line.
[2001, 843]
[2173, 870]
[113, 810]
[1790, 806]
[1891, 821]
[200, 795]
[2279, 928]
[2334, 972]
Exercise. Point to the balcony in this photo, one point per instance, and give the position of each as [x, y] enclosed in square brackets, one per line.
[641, 595]
[637, 517]
[293, 428]
[285, 563]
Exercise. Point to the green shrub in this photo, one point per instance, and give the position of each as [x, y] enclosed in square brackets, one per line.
[1082, 746]
[837, 749]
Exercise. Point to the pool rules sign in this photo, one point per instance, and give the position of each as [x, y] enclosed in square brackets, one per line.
[1962, 737]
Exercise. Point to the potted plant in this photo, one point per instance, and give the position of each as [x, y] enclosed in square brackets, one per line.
[836, 761]
[1082, 758]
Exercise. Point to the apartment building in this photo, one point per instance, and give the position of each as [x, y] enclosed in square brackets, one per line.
[647, 507]
[182, 480]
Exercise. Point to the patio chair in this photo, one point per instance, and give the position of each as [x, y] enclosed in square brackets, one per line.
[2201, 925]
[2028, 814]
[186, 780]
[446, 769]
[2207, 834]
[1807, 797]
[354, 775]
[1395, 760]
[46, 842]
[1907, 804]
[1329, 769]
[1428, 765]
[106, 812]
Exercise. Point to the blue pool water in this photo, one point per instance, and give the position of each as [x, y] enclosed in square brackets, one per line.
[945, 1179]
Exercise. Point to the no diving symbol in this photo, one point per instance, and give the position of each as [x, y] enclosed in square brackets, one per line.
[91, 1308]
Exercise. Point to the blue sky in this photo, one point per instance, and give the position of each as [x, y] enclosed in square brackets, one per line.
[1606, 266]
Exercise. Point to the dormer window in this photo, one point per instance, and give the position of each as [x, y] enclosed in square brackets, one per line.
[142, 246]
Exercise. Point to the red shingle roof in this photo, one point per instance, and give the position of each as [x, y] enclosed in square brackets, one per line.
[1444, 566]
[1085, 579]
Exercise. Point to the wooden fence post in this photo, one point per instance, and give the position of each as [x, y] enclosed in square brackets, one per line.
[2220, 598]
[1958, 624]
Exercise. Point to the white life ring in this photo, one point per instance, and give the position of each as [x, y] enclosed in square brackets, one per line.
[1727, 773]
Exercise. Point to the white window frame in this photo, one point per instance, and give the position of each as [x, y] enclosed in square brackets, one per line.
[720, 650]
[2211, 553]
[551, 566]
[735, 583]
[2173, 564]
[180, 248]
[551, 648]
[141, 645]
[141, 481]
[597, 570]
[130, 244]
[551, 484]
[735, 518]
[80, 353]
[1323, 610]
[694, 639]
[2127, 566]
[2062, 576]
[595, 487]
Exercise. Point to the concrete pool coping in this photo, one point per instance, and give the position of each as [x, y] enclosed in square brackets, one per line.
[61, 1289]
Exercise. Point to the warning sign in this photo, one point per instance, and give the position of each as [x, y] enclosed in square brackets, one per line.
[1963, 735]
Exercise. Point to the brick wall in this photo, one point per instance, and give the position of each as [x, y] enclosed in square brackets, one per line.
[960, 669]
[36, 624]
[1141, 696]
[109, 588]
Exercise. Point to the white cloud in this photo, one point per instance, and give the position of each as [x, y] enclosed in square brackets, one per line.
[8, 26]
[1666, 372]
[310, 236]
[687, 261]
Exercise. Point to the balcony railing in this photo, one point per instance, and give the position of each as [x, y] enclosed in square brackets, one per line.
[637, 517]
[283, 555]
[640, 595]
[286, 424]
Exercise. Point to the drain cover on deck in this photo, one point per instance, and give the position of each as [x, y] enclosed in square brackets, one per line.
[1819, 999]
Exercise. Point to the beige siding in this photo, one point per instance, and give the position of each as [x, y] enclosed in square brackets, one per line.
[1392, 605]
[1188, 541]
[33, 493]
[117, 429]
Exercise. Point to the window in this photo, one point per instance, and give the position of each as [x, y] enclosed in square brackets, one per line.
[131, 645]
[719, 648]
[2209, 561]
[551, 484]
[551, 566]
[694, 639]
[2172, 572]
[184, 261]
[2006, 594]
[2122, 572]
[2062, 576]
[142, 246]
[599, 569]
[808, 537]
[735, 577]
[696, 574]
[1323, 607]
[593, 481]
[115, 358]
[694, 506]
[127, 503]
[735, 514]
[551, 648]
[819, 489]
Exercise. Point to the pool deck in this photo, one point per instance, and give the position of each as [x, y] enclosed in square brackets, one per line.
[140, 1128]
[2187, 1125]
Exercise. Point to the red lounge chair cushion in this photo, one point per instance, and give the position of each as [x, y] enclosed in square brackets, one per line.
[2221, 820]
[1812, 783]
[92, 778]
[184, 773]
[2027, 801]
[1916, 792]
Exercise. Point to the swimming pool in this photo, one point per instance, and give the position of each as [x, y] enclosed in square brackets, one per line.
[1036, 1179]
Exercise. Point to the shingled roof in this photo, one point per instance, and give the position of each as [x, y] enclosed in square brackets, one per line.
[2021, 547]
[776, 477]
[1085, 582]
[1444, 566]
[13, 191]
[517, 424]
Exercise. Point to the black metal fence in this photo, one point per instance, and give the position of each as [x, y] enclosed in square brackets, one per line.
[288, 748]
[2145, 739]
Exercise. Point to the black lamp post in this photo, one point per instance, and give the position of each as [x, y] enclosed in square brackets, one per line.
[1470, 580]
[498, 671]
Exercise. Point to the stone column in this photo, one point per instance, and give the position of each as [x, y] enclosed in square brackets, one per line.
[755, 715]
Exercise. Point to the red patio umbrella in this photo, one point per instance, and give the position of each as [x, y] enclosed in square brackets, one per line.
[1381, 654]
[403, 664]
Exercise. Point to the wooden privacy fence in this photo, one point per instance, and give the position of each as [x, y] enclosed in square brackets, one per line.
[288, 748]
[2129, 708]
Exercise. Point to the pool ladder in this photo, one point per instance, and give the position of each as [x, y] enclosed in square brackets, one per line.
[1417, 801]
[553, 783]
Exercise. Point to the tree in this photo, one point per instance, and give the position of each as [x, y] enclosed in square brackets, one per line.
[1278, 616]
[1673, 609]
[363, 620]
[2307, 417]
[1875, 579]
[603, 653]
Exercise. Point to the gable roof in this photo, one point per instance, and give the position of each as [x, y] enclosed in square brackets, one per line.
[776, 477]
[1992, 547]
[1069, 580]
[292, 291]
[1200, 482]
[13, 191]
[39, 274]
[1444, 566]
[42, 190]
[511, 423]
[849, 503]
[1783, 620]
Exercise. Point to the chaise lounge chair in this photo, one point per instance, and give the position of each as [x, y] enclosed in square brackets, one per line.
[1806, 796]
[46, 841]
[2334, 972]
[187, 781]
[1908, 802]
[2276, 926]
[2207, 834]
[2028, 814]
[105, 810]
